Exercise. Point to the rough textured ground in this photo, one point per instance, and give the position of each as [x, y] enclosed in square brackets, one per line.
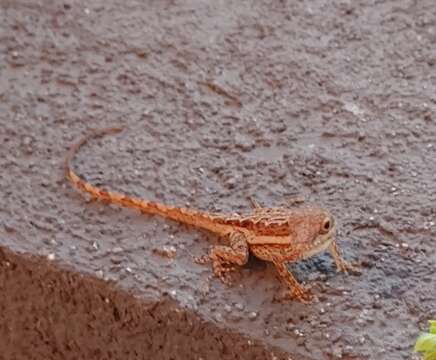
[333, 101]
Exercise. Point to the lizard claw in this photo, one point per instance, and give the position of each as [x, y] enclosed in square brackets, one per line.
[224, 273]
[347, 268]
[301, 295]
[204, 259]
[220, 269]
[305, 298]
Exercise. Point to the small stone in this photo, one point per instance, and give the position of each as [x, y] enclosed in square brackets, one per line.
[252, 315]
[27, 140]
[227, 308]
[99, 273]
[298, 332]
[218, 317]
[51, 257]
[239, 306]
[117, 249]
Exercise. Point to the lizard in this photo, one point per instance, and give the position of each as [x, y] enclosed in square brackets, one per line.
[278, 235]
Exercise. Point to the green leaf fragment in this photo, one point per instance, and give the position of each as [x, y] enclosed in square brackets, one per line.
[430, 355]
[426, 342]
[432, 326]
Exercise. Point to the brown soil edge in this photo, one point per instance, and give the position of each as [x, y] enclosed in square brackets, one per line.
[49, 312]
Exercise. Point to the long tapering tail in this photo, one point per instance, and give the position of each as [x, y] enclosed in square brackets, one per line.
[183, 215]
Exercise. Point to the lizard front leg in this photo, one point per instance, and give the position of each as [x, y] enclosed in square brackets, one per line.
[297, 290]
[341, 264]
[224, 258]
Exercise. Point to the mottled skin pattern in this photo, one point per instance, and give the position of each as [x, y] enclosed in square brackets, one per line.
[277, 235]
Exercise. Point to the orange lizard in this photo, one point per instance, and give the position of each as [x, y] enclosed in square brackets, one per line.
[277, 235]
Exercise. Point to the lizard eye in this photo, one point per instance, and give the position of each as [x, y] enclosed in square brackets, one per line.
[326, 225]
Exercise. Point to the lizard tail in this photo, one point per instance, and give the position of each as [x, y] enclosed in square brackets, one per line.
[183, 215]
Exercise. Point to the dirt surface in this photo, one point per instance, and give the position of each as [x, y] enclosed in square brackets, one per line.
[103, 322]
[332, 101]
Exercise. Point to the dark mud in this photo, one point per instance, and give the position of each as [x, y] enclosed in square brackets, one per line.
[332, 101]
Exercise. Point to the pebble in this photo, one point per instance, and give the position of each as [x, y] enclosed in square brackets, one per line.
[218, 317]
[239, 306]
[298, 333]
[252, 315]
[27, 140]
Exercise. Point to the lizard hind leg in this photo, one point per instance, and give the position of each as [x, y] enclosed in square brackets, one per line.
[224, 258]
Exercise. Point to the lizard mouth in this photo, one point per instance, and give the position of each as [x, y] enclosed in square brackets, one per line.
[321, 243]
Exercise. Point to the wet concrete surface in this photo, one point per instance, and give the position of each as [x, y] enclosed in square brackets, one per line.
[334, 102]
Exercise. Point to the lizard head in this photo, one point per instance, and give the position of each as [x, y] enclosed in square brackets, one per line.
[315, 229]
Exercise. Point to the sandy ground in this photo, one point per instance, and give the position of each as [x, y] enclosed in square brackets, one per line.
[223, 100]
